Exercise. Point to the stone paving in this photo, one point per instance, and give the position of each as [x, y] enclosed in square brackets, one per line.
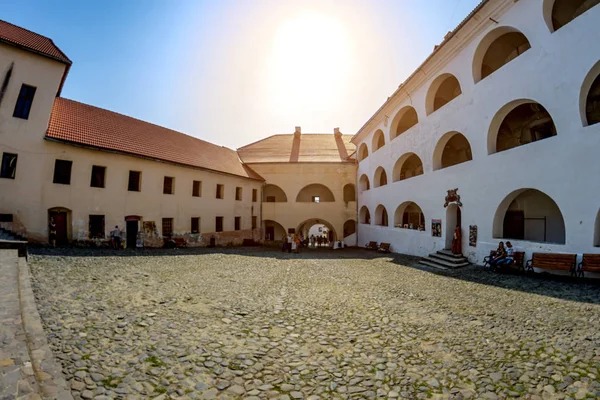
[346, 324]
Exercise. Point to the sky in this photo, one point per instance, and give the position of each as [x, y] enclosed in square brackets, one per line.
[233, 72]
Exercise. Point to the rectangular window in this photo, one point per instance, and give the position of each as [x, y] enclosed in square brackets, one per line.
[219, 224]
[6, 218]
[9, 166]
[62, 172]
[168, 185]
[98, 174]
[254, 221]
[220, 191]
[238, 193]
[197, 189]
[316, 199]
[238, 223]
[134, 184]
[254, 195]
[195, 224]
[23, 106]
[97, 227]
[167, 227]
[270, 199]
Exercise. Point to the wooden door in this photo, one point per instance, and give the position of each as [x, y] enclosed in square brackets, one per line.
[514, 225]
[132, 231]
[60, 219]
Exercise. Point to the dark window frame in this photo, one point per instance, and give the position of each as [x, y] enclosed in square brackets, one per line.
[239, 193]
[220, 191]
[95, 231]
[95, 180]
[167, 227]
[7, 170]
[254, 222]
[254, 195]
[169, 188]
[24, 101]
[62, 172]
[130, 182]
[219, 223]
[195, 223]
[237, 223]
[196, 188]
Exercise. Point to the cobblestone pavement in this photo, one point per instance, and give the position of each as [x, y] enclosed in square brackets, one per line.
[258, 324]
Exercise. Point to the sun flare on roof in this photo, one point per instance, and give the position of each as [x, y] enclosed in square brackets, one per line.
[309, 62]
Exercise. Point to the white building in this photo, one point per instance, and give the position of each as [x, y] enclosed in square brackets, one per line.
[507, 111]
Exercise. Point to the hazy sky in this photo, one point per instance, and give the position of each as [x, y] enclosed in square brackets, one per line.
[232, 72]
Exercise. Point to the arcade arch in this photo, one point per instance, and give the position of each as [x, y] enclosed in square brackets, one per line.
[363, 183]
[405, 119]
[273, 230]
[408, 166]
[558, 13]
[380, 177]
[364, 216]
[409, 215]
[453, 148]
[315, 193]
[381, 216]
[498, 48]
[274, 194]
[590, 97]
[363, 152]
[378, 140]
[349, 193]
[443, 90]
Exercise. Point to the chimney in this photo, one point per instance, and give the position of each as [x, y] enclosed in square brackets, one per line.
[336, 132]
[297, 131]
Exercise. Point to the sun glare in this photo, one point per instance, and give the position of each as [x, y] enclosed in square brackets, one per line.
[309, 62]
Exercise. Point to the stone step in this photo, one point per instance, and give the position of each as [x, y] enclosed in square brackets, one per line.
[449, 265]
[449, 253]
[445, 257]
[433, 265]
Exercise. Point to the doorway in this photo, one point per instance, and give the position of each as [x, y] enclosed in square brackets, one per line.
[453, 219]
[270, 233]
[132, 229]
[61, 219]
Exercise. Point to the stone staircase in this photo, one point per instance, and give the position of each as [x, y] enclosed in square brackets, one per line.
[444, 259]
[10, 240]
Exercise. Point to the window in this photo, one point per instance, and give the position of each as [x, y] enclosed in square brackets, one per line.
[98, 176]
[168, 187]
[197, 189]
[238, 193]
[167, 227]
[219, 224]
[97, 227]
[220, 191]
[62, 172]
[6, 218]
[316, 199]
[9, 166]
[254, 221]
[238, 223]
[134, 181]
[254, 195]
[270, 199]
[24, 102]
[195, 224]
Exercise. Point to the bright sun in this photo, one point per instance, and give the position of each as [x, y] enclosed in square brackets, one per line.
[309, 63]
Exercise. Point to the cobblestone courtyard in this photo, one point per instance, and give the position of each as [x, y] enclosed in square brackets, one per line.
[260, 324]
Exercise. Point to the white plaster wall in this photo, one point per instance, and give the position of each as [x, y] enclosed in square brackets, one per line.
[565, 167]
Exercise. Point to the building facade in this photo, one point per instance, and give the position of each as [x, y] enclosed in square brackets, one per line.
[505, 115]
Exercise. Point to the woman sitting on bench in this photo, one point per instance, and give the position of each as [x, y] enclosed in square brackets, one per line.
[499, 256]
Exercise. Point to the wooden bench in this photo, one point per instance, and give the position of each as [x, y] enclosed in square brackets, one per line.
[384, 248]
[517, 261]
[177, 242]
[553, 261]
[371, 246]
[590, 263]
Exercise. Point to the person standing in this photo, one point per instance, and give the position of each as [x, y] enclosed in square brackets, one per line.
[290, 239]
[52, 230]
[457, 241]
[284, 243]
[116, 238]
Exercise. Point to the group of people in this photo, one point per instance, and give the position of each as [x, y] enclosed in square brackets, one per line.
[504, 255]
[291, 243]
[318, 241]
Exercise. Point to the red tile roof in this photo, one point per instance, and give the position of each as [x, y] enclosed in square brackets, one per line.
[82, 124]
[305, 147]
[31, 41]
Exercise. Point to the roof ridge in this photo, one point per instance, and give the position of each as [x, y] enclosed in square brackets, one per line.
[62, 53]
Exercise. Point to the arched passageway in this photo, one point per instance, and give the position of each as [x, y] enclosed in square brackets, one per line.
[349, 228]
[381, 216]
[349, 193]
[529, 214]
[443, 90]
[315, 193]
[519, 123]
[590, 97]
[61, 217]
[405, 119]
[378, 140]
[559, 13]
[273, 230]
[274, 194]
[453, 219]
[363, 152]
[380, 178]
[364, 216]
[498, 48]
[453, 148]
[305, 230]
[409, 215]
[408, 166]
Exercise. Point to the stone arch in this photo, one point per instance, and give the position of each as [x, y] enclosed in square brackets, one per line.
[409, 215]
[443, 90]
[380, 177]
[589, 102]
[315, 193]
[453, 148]
[381, 216]
[518, 123]
[273, 230]
[273, 194]
[363, 152]
[529, 214]
[496, 49]
[304, 227]
[378, 140]
[558, 13]
[405, 119]
[349, 228]
[363, 183]
[408, 165]
[349, 193]
[364, 216]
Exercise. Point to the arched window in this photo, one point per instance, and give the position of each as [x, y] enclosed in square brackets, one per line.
[519, 123]
[349, 193]
[349, 227]
[590, 97]
[559, 13]
[315, 193]
[380, 178]
[528, 214]
[443, 89]
[453, 148]
[407, 166]
[498, 47]
[381, 216]
[405, 119]
[364, 215]
[363, 183]
[273, 194]
[409, 215]
[363, 152]
[378, 140]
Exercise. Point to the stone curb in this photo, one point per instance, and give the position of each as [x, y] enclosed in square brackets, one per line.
[48, 372]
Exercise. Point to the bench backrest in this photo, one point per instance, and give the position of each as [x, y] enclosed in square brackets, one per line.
[385, 246]
[554, 261]
[591, 261]
[519, 256]
[372, 244]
